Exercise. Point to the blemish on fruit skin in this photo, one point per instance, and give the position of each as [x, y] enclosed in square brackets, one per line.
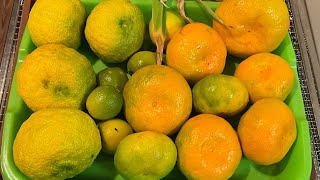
[45, 83]
[62, 167]
[154, 104]
[55, 174]
[125, 25]
[116, 129]
[122, 23]
[61, 90]
[68, 167]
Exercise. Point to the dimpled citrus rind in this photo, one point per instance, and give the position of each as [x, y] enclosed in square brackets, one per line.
[56, 143]
[57, 22]
[125, 32]
[55, 76]
[157, 98]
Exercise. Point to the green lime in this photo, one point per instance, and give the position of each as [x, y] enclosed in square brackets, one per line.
[114, 76]
[141, 59]
[104, 102]
[112, 132]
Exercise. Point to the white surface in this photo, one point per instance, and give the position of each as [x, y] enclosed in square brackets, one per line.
[314, 15]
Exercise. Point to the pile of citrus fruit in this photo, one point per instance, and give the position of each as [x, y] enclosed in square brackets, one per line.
[149, 116]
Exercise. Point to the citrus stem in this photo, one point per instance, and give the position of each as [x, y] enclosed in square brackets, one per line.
[159, 27]
[180, 6]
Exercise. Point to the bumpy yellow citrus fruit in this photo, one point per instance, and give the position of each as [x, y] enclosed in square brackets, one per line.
[55, 76]
[253, 26]
[56, 143]
[208, 148]
[267, 131]
[196, 51]
[115, 30]
[221, 95]
[112, 132]
[145, 155]
[157, 98]
[266, 75]
[57, 21]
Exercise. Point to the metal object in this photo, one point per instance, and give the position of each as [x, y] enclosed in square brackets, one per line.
[9, 55]
[308, 71]
[308, 67]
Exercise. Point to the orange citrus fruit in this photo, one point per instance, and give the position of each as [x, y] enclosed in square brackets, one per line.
[157, 98]
[266, 75]
[196, 51]
[267, 131]
[208, 148]
[253, 26]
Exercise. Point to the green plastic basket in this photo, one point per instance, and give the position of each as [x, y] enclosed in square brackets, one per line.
[296, 164]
